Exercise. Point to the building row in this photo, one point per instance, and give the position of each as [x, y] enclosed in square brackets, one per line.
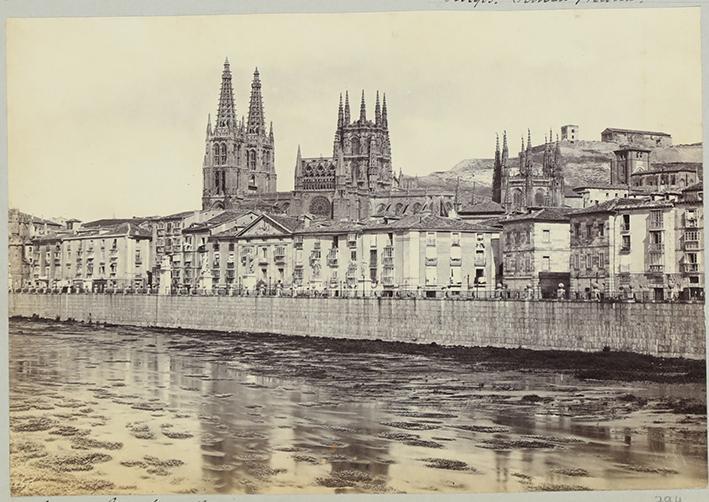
[650, 245]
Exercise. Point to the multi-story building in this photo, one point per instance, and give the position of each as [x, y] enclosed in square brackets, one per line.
[95, 259]
[535, 250]
[255, 256]
[193, 266]
[689, 222]
[22, 228]
[569, 133]
[600, 192]
[635, 244]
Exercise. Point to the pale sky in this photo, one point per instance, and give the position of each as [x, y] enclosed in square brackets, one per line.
[107, 115]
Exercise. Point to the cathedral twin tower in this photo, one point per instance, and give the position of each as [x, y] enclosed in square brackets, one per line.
[239, 166]
[239, 155]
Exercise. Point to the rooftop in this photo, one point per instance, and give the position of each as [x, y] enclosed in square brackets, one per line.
[634, 131]
[551, 214]
[621, 203]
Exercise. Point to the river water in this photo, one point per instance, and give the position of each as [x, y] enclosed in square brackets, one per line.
[125, 410]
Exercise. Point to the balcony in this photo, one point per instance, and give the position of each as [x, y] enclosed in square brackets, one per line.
[690, 222]
[689, 268]
[691, 245]
[430, 262]
[263, 261]
[388, 280]
[655, 269]
[456, 262]
[656, 247]
[332, 259]
[655, 224]
[625, 229]
[280, 258]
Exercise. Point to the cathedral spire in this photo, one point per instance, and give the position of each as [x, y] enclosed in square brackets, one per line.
[497, 173]
[385, 121]
[529, 140]
[256, 121]
[362, 109]
[505, 150]
[347, 108]
[340, 115]
[270, 131]
[226, 112]
[209, 124]
[377, 112]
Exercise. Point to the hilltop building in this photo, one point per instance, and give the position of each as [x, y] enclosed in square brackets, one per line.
[569, 133]
[630, 137]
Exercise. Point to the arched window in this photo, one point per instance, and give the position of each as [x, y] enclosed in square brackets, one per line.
[417, 207]
[517, 199]
[355, 148]
[320, 206]
[381, 208]
[252, 182]
[399, 208]
[539, 198]
[223, 157]
[252, 159]
[215, 150]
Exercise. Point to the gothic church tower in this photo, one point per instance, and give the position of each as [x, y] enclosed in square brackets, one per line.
[238, 157]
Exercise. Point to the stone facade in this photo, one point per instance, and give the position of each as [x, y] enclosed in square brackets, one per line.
[665, 330]
[239, 156]
[630, 137]
[535, 245]
[652, 248]
[532, 185]
[99, 259]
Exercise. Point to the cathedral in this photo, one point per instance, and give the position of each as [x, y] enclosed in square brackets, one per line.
[531, 185]
[355, 183]
[238, 157]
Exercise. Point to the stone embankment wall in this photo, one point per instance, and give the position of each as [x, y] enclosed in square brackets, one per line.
[660, 329]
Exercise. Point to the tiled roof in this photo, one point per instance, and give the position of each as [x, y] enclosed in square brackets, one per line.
[488, 206]
[697, 187]
[608, 186]
[217, 220]
[554, 214]
[428, 222]
[620, 203]
[331, 227]
[634, 131]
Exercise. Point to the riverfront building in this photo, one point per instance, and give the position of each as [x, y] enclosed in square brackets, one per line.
[651, 247]
[94, 259]
[535, 251]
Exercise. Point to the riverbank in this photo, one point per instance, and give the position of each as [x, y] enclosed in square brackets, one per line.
[670, 330]
[185, 411]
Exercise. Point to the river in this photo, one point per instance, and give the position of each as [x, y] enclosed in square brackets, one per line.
[122, 410]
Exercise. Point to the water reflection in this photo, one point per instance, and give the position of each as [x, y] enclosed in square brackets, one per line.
[128, 410]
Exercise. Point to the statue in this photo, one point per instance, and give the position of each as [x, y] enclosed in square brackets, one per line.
[165, 276]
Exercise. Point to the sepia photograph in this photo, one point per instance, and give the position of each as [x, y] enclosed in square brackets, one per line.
[417, 252]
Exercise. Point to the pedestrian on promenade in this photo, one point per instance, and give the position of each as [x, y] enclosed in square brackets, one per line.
[561, 292]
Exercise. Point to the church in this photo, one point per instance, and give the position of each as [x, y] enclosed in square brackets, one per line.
[356, 183]
[530, 185]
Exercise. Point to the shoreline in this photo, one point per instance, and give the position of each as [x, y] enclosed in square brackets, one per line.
[610, 365]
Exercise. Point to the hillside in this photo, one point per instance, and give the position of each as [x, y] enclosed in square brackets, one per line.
[584, 162]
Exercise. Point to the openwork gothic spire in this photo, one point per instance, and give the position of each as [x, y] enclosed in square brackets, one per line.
[226, 112]
[362, 109]
[256, 122]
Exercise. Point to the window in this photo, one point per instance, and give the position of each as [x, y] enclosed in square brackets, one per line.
[546, 236]
[575, 261]
[589, 231]
[626, 226]
[589, 261]
[456, 275]
[431, 276]
[546, 264]
[601, 229]
[625, 244]
[601, 260]
[231, 246]
[455, 238]
[431, 239]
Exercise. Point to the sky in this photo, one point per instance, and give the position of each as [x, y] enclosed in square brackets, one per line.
[107, 116]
